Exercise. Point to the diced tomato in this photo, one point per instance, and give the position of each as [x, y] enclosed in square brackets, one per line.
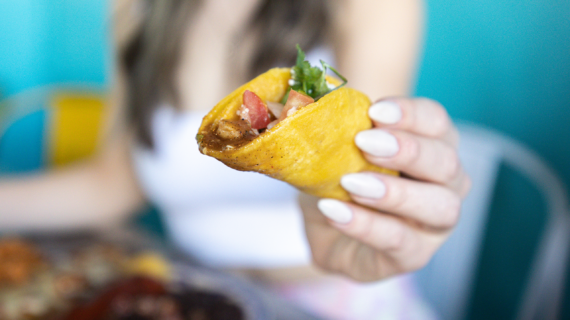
[256, 110]
[295, 101]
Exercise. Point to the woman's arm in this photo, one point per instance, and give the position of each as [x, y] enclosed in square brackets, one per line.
[96, 193]
[378, 43]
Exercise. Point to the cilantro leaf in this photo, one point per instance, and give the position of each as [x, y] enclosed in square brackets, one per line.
[311, 80]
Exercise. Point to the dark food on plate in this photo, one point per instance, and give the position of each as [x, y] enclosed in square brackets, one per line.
[99, 282]
[34, 286]
[147, 299]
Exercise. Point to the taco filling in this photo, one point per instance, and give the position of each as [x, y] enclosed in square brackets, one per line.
[255, 116]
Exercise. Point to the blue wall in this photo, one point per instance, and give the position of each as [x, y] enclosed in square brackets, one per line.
[52, 41]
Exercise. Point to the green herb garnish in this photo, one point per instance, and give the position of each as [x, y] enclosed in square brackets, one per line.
[199, 137]
[310, 80]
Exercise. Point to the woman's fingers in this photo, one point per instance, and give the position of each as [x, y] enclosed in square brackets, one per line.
[408, 247]
[423, 158]
[420, 116]
[431, 205]
[417, 138]
[394, 224]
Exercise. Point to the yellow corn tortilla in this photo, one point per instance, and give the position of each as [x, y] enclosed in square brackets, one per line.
[311, 149]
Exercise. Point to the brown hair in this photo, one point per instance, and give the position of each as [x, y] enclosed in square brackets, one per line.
[151, 58]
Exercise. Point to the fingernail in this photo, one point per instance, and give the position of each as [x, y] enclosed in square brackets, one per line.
[335, 210]
[387, 112]
[363, 185]
[377, 142]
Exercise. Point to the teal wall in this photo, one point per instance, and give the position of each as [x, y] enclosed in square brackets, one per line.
[505, 64]
[52, 41]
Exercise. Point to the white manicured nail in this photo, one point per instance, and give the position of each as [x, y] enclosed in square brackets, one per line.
[363, 185]
[335, 210]
[377, 142]
[387, 112]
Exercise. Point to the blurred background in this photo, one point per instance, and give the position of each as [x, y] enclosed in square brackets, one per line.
[502, 64]
[55, 66]
[505, 65]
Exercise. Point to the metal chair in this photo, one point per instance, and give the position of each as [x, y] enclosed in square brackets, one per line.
[70, 128]
[447, 279]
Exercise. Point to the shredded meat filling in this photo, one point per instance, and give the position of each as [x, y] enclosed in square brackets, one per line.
[232, 130]
[228, 134]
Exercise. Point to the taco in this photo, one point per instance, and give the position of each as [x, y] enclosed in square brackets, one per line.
[293, 124]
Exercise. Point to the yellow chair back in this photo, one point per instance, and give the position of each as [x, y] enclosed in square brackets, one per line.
[76, 122]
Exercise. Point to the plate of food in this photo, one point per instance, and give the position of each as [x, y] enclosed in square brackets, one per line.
[104, 278]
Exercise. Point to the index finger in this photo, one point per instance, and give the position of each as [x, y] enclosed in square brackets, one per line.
[421, 116]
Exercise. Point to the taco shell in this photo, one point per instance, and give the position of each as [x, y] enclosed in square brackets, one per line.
[311, 149]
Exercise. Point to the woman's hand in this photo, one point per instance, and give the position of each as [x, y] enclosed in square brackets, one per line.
[394, 224]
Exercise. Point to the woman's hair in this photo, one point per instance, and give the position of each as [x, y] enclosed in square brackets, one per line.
[152, 56]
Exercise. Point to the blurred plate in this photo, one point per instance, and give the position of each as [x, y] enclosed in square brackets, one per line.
[185, 271]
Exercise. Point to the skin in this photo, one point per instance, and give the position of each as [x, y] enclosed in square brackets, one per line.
[394, 234]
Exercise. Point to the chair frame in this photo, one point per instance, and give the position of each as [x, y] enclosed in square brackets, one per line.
[545, 288]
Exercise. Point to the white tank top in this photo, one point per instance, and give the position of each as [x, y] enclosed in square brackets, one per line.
[225, 217]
